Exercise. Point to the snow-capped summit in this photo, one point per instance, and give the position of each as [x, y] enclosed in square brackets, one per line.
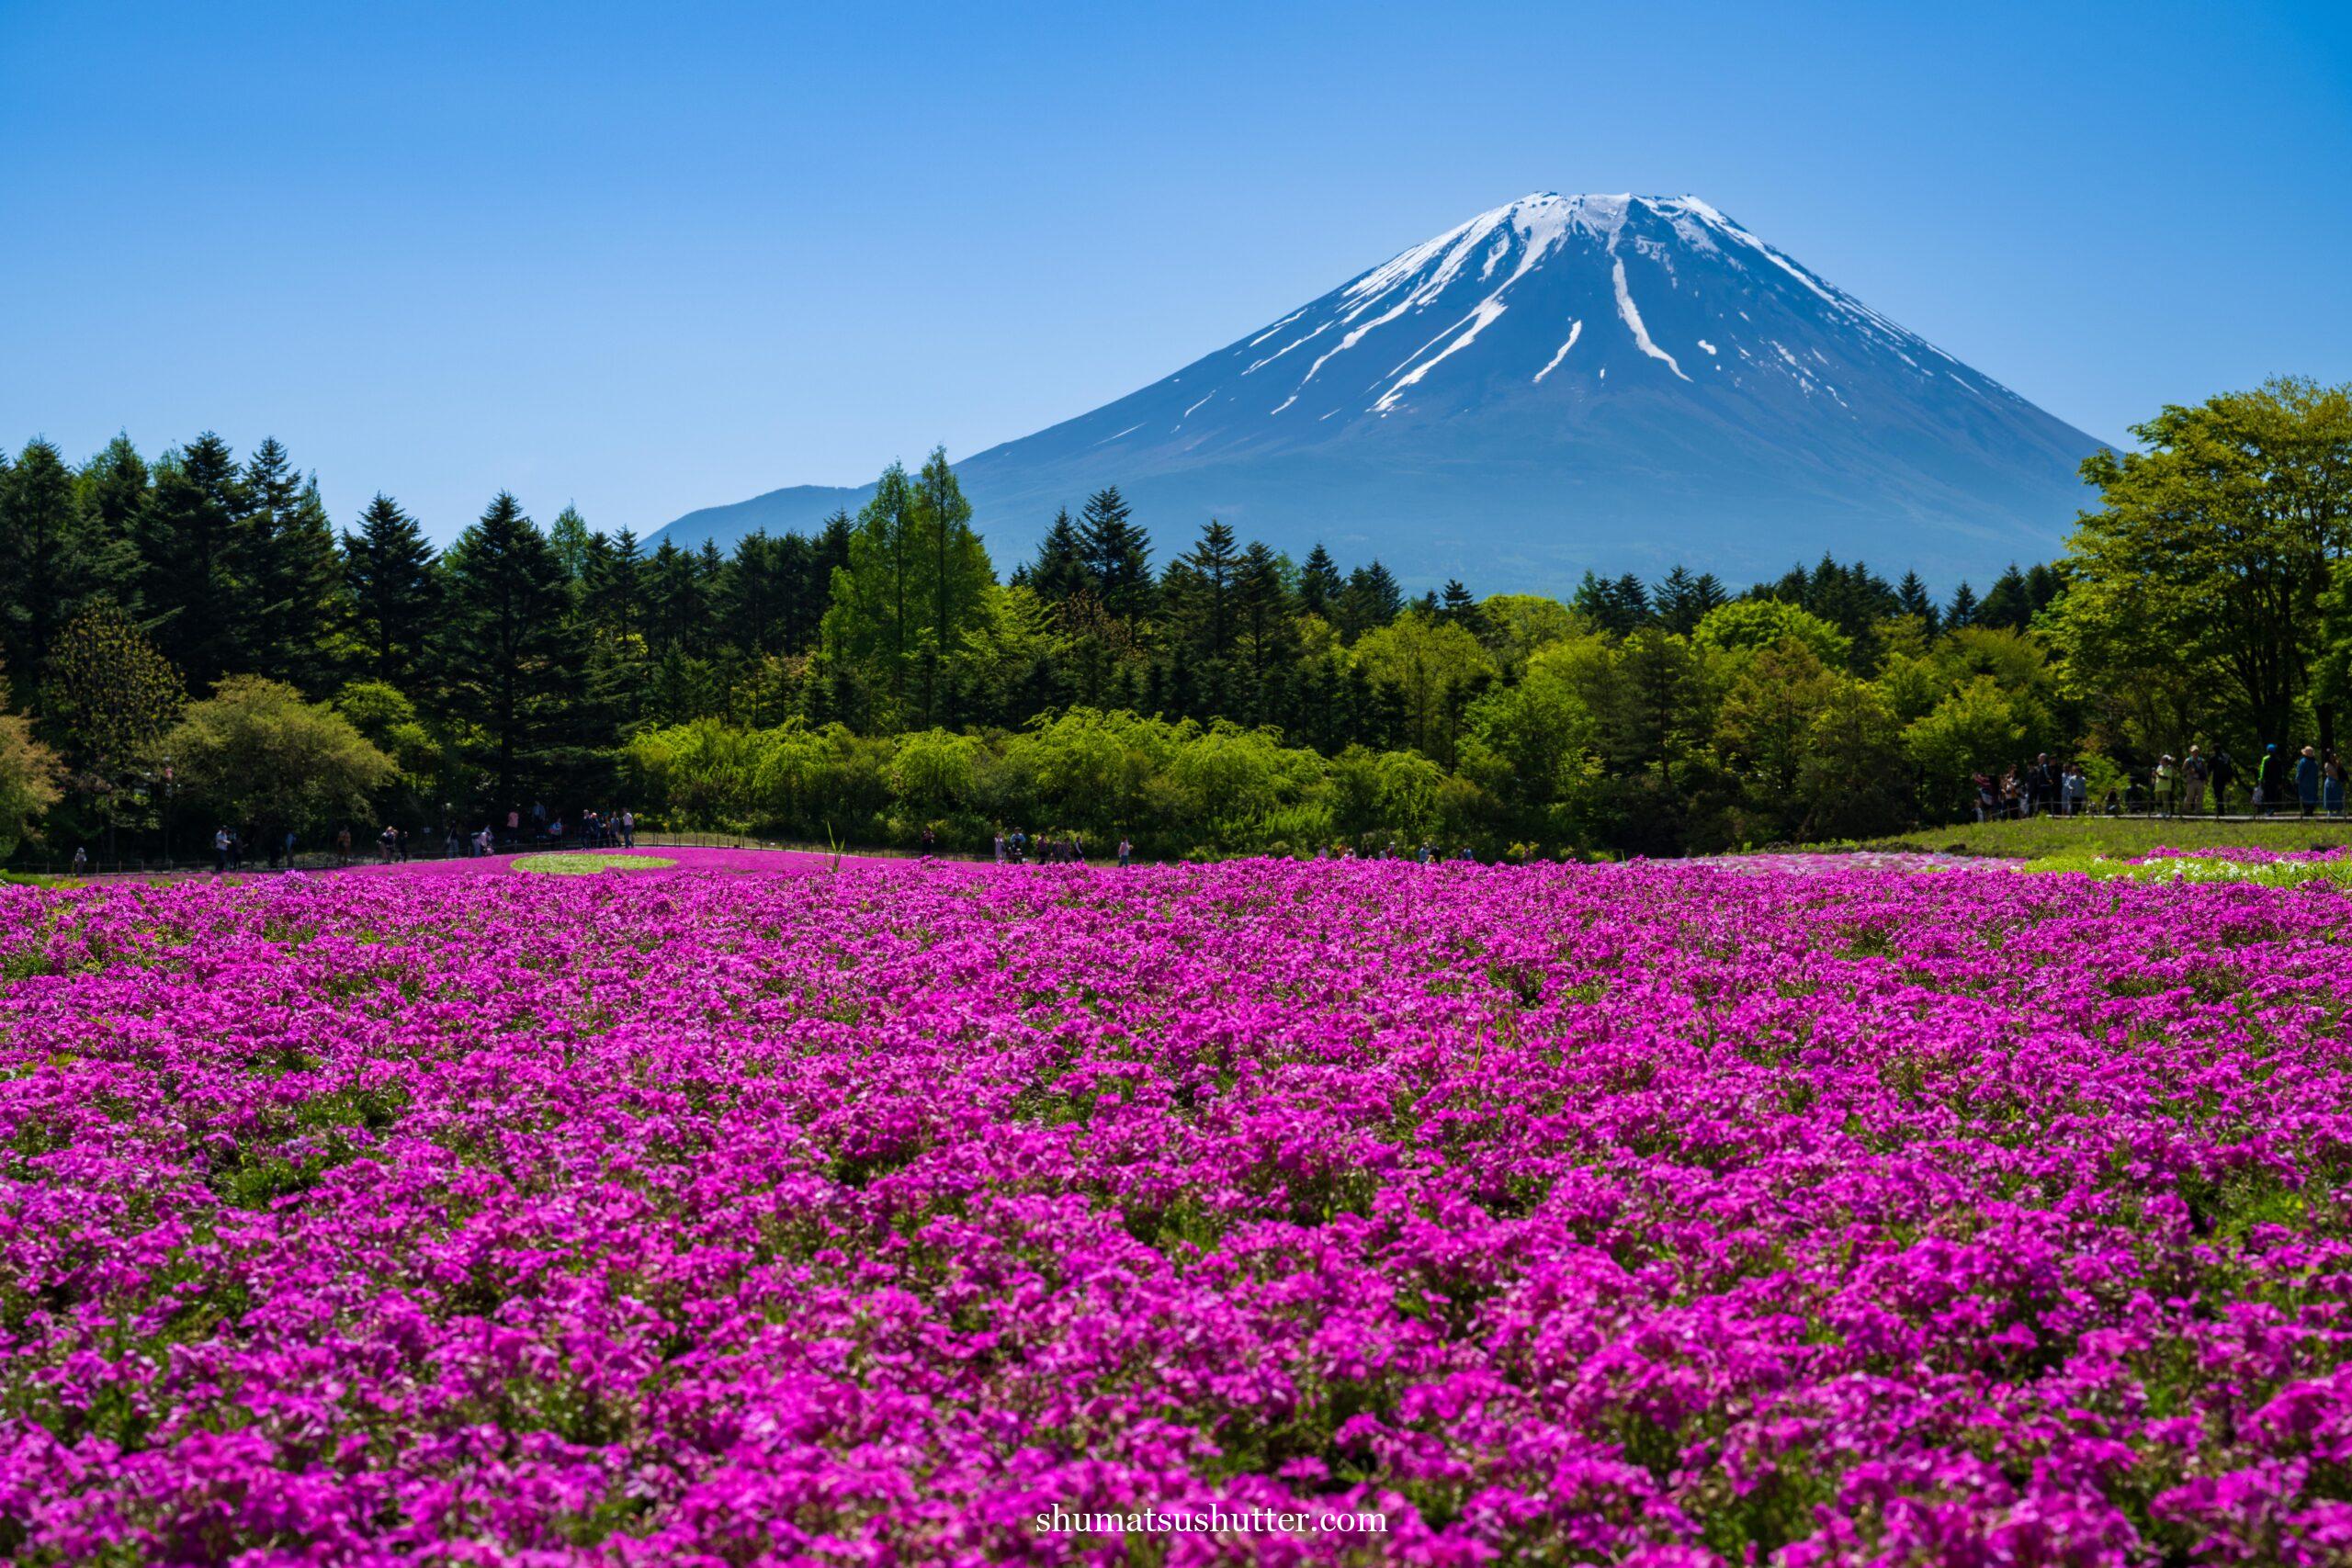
[1561, 382]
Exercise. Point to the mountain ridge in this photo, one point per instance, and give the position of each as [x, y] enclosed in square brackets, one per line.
[1450, 410]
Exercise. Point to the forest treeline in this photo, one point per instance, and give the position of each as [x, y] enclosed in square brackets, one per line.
[191, 638]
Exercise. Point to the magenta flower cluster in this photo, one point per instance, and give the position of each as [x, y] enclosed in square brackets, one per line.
[1639, 1214]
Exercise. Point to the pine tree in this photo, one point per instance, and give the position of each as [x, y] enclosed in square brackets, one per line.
[1457, 606]
[1911, 599]
[1118, 554]
[2007, 604]
[675, 607]
[1319, 583]
[187, 536]
[1198, 591]
[1708, 594]
[388, 567]
[1675, 601]
[751, 600]
[1961, 611]
[1266, 624]
[2044, 587]
[49, 567]
[113, 487]
[957, 570]
[510, 652]
[288, 577]
[1369, 600]
[1060, 571]
[569, 537]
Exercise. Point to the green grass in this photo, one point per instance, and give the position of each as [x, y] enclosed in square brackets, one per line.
[2116, 837]
[580, 864]
[2271, 874]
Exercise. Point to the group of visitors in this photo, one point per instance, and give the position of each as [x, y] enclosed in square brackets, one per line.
[2038, 788]
[2311, 782]
[1063, 847]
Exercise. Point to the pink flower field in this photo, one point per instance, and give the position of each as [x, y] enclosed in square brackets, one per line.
[1644, 1214]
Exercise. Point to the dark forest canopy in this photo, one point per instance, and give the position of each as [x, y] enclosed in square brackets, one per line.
[1158, 676]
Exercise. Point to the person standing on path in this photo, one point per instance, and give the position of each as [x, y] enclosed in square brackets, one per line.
[2269, 777]
[1126, 852]
[2225, 773]
[2307, 781]
[219, 851]
[2194, 771]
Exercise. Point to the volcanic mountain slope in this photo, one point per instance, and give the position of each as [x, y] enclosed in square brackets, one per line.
[1616, 382]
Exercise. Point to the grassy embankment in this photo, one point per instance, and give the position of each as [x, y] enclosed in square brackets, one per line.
[2114, 837]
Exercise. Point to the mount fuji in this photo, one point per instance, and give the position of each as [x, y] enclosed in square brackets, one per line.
[1612, 382]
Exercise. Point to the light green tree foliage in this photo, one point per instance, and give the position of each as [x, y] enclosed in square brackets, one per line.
[256, 752]
[935, 771]
[915, 586]
[1520, 625]
[1745, 624]
[1764, 728]
[1536, 744]
[1981, 728]
[29, 774]
[1433, 666]
[2210, 551]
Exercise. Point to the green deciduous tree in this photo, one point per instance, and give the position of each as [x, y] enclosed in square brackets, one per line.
[256, 751]
[2213, 545]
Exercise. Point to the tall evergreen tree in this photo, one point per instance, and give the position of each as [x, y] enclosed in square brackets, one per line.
[2007, 604]
[958, 571]
[113, 487]
[1199, 592]
[1118, 554]
[1060, 571]
[188, 548]
[1911, 599]
[1319, 583]
[510, 652]
[388, 567]
[49, 567]
[1675, 601]
[1457, 605]
[567, 537]
[1369, 600]
[1266, 626]
[1962, 611]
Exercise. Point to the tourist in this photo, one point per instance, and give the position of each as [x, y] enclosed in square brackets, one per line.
[2073, 790]
[2331, 787]
[219, 851]
[2012, 796]
[2225, 773]
[236, 851]
[1000, 846]
[2160, 784]
[289, 849]
[81, 860]
[342, 844]
[1126, 852]
[2194, 772]
[629, 829]
[2269, 779]
[2307, 781]
[514, 823]
[929, 842]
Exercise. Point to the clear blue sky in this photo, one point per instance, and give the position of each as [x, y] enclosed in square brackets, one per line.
[652, 257]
